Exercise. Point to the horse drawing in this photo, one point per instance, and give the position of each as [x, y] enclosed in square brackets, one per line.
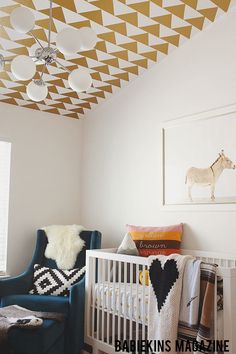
[208, 176]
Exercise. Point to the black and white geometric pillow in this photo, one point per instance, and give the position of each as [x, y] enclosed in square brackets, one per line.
[57, 282]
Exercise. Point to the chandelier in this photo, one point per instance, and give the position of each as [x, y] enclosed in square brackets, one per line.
[69, 41]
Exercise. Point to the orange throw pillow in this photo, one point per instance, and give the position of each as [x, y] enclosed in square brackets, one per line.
[156, 240]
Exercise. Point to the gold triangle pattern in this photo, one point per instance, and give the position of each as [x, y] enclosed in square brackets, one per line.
[132, 36]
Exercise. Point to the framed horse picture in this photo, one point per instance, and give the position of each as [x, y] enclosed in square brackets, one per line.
[199, 160]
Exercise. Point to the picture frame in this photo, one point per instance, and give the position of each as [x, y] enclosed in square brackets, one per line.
[182, 148]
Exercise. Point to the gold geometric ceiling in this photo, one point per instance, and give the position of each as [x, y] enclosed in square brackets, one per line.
[132, 36]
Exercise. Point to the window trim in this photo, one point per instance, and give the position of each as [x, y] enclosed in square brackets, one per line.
[4, 273]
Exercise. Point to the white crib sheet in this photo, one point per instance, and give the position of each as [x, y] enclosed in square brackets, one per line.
[128, 303]
[131, 306]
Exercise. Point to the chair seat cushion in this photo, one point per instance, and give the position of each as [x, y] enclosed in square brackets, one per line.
[38, 302]
[36, 341]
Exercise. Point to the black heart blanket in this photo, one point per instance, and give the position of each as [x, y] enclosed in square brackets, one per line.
[166, 278]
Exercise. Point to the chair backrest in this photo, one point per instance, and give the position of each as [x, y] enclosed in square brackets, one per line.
[92, 241]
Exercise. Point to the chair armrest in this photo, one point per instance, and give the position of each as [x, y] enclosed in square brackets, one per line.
[22, 283]
[77, 299]
[76, 316]
[16, 285]
[77, 290]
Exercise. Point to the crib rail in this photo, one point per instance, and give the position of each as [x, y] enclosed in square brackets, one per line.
[226, 262]
[117, 303]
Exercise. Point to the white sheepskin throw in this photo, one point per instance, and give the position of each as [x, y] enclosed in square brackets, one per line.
[64, 244]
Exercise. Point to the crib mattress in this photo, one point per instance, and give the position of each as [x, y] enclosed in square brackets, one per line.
[133, 304]
[133, 300]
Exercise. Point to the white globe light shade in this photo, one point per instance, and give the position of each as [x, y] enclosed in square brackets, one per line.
[22, 20]
[89, 38]
[23, 67]
[68, 41]
[80, 80]
[37, 91]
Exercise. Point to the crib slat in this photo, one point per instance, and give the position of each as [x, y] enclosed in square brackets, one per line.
[215, 312]
[89, 288]
[103, 295]
[137, 304]
[94, 296]
[108, 299]
[114, 303]
[125, 302]
[99, 298]
[119, 300]
[143, 302]
[131, 302]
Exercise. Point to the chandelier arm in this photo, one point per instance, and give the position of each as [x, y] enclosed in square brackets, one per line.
[7, 60]
[50, 25]
[43, 72]
[62, 66]
[36, 39]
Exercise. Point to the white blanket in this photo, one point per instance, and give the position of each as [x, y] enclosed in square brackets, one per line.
[190, 294]
[166, 276]
[64, 244]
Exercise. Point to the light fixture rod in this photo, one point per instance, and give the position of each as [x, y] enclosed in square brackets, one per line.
[62, 66]
[37, 40]
[43, 70]
[7, 60]
[50, 25]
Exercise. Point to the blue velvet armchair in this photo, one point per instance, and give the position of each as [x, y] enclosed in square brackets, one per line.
[16, 291]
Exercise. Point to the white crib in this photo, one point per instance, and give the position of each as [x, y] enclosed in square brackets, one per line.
[117, 304]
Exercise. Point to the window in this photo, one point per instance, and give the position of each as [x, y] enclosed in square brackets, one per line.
[5, 155]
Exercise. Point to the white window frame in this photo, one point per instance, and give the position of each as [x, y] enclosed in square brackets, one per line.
[3, 270]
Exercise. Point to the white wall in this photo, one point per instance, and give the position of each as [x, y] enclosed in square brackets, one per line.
[45, 182]
[121, 163]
